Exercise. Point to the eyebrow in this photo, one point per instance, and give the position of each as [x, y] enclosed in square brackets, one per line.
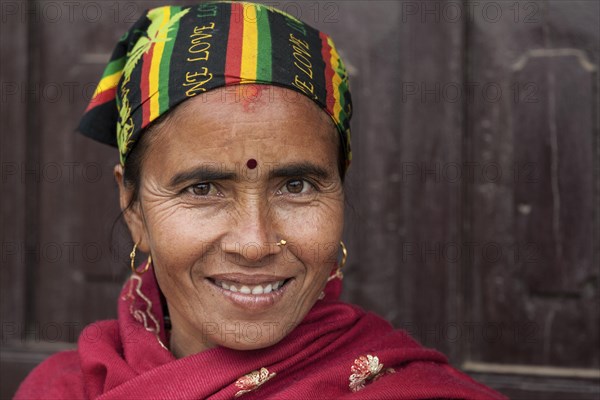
[201, 174]
[299, 169]
[204, 174]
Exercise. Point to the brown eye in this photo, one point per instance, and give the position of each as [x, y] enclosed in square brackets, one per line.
[201, 189]
[298, 188]
[295, 186]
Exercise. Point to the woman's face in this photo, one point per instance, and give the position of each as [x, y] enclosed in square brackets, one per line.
[230, 174]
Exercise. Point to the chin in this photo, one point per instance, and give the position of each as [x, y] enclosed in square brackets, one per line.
[246, 346]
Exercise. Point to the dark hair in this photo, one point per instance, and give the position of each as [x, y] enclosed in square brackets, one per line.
[132, 169]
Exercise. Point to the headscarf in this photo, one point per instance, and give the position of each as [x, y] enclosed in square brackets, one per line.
[173, 53]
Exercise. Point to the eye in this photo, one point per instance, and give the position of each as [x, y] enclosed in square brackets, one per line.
[203, 189]
[297, 186]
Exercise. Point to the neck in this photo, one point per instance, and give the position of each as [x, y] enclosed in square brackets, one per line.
[185, 342]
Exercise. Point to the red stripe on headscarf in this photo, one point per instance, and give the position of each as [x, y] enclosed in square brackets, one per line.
[326, 54]
[233, 61]
[101, 98]
[145, 86]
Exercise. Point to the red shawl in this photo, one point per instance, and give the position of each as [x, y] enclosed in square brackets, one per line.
[338, 351]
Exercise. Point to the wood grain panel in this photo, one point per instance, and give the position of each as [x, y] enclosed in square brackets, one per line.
[540, 294]
[541, 387]
[78, 271]
[13, 127]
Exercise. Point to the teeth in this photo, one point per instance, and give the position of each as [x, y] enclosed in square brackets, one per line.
[245, 290]
[256, 290]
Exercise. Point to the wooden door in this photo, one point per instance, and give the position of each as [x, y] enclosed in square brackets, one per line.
[473, 198]
[541, 291]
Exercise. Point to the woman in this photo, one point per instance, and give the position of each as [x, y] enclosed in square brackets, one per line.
[232, 123]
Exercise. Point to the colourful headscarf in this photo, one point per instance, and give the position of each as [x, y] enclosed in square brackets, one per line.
[173, 53]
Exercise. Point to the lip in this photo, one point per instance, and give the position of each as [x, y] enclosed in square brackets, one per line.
[251, 302]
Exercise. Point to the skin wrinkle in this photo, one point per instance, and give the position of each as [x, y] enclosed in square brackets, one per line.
[181, 230]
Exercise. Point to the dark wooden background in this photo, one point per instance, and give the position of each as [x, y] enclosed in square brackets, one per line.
[473, 218]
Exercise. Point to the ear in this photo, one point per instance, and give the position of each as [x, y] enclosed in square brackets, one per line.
[133, 215]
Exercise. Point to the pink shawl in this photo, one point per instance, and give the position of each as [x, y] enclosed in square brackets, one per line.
[338, 351]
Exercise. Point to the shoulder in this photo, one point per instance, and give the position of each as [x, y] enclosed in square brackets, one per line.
[59, 376]
[427, 379]
[386, 363]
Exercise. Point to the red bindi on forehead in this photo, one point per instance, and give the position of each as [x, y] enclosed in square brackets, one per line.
[252, 163]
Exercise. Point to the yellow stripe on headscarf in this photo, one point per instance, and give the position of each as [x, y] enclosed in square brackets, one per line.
[157, 54]
[108, 82]
[336, 81]
[249, 44]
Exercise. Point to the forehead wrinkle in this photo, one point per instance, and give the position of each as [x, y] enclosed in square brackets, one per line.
[279, 100]
[228, 128]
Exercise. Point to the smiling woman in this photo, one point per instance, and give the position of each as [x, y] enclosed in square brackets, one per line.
[232, 123]
[196, 196]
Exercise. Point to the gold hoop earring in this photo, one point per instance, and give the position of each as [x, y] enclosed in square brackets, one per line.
[344, 255]
[132, 257]
[338, 272]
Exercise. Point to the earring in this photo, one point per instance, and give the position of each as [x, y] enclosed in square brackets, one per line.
[282, 242]
[338, 271]
[132, 257]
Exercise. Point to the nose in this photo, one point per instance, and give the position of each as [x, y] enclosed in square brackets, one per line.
[251, 239]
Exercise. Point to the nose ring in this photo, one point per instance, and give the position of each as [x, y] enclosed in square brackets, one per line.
[282, 242]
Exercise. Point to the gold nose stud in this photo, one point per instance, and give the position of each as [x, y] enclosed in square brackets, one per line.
[282, 242]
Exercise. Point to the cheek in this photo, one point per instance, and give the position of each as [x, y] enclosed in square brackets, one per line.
[314, 233]
[182, 240]
[179, 236]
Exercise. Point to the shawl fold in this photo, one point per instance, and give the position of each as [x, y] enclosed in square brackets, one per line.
[337, 351]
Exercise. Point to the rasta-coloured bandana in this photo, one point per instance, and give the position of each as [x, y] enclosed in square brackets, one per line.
[174, 53]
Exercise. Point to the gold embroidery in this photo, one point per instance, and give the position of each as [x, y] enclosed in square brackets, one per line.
[365, 369]
[140, 315]
[253, 381]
